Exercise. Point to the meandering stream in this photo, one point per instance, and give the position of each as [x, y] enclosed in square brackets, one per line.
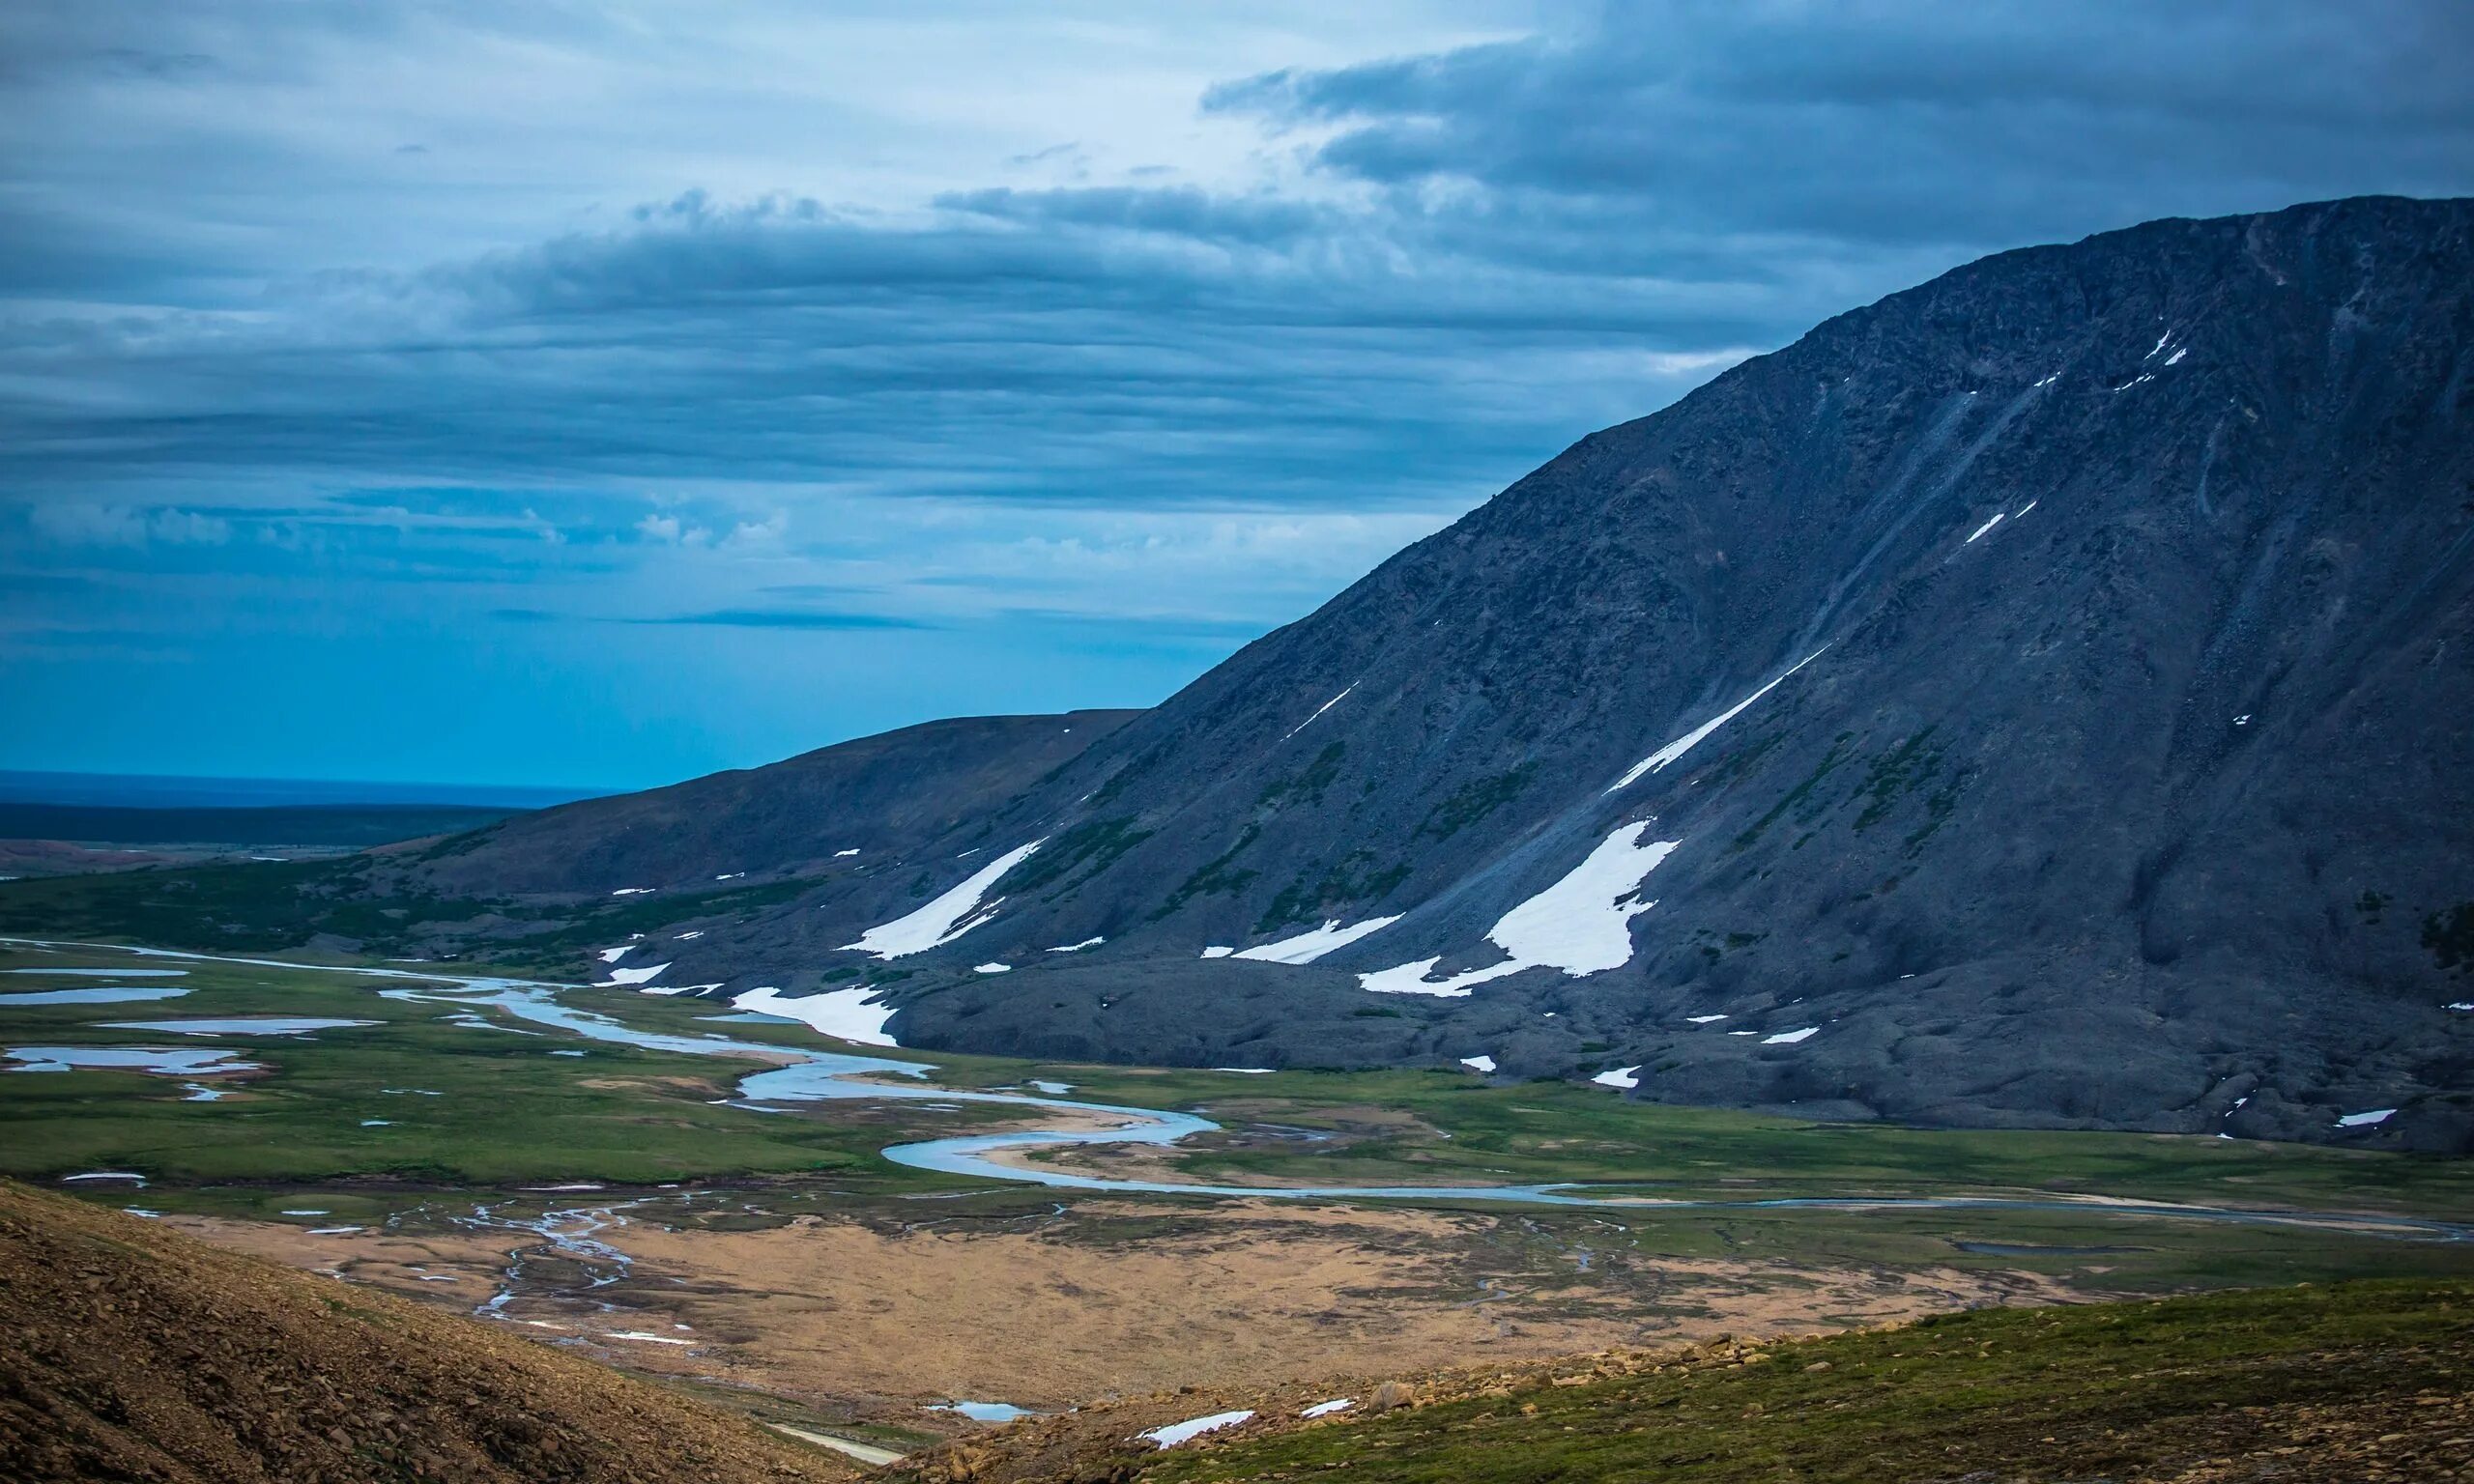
[803, 1075]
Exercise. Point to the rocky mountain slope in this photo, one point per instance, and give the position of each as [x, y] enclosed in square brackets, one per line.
[2039, 697]
[132, 1352]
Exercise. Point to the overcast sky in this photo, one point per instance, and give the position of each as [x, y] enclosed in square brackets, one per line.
[601, 393]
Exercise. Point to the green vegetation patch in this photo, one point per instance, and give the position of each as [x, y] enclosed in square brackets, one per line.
[2105, 1391]
[1475, 800]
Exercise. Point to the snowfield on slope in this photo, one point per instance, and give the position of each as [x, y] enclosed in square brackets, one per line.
[1685, 743]
[851, 1013]
[1581, 925]
[1313, 943]
[947, 916]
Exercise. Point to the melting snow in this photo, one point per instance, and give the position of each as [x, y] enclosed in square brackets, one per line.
[2366, 1120]
[1192, 1428]
[70, 1179]
[1411, 978]
[848, 1013]
[1052, 1089]
[1247, 1071]
[1320, 710]
[642, 1338]
[645, 976]
[688, 937]
[1691, 739]
[2049, 380]
[1326, 1409]
[1075, 948]
[1620, 1076]
[1981, 530]
[1313, 943]
[106, 973]
[2144, 376]
[1790, 1038]
[1478, 1062]
[946, 918]
[1581, 925]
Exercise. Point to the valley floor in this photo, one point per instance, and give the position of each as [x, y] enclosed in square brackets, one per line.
[625, 1200]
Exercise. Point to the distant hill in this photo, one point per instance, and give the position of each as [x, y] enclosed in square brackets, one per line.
[131, 1352]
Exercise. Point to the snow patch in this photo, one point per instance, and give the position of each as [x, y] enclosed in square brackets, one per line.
[852, 1014]
[1581, 925]
[991, 968]
[2176, 358]
[622, 977]
[634, 891]
[946, 918]
[2366, 1120]
[1685, 743]
[1326, 1409]
[1320, 710]
[1705, 1019]
[1313, 943]
[1981, 530]
[1218, 951]
[1620, 1076]
[614, 954]
[1478, 1062]
[844, 854]
[1192, 1428]
[1790, 1038]
[1075, 948]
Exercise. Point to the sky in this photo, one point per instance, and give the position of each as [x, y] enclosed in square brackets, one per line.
[598, 394]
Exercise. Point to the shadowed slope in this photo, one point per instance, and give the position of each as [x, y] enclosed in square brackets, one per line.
[131, 1352]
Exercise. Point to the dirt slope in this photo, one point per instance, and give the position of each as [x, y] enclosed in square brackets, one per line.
[131, 1352]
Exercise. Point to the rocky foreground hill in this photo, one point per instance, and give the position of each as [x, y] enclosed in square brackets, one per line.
[131, 1352]
[2041, 697]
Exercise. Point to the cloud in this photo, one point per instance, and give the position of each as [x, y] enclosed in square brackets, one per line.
[73, 523]
[415, 314]
[787, 618]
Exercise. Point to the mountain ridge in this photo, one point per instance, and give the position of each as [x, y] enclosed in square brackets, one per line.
[2034, 689]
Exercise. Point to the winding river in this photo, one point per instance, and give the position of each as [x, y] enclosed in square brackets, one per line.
[801, 1075]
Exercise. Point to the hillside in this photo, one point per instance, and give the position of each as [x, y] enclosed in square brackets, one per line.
[135, 1353]
[2361, 1380]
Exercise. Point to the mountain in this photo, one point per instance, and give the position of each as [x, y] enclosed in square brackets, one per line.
[135, 1352]
[2038, 699]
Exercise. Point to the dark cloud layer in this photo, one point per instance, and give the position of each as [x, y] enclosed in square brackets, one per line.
[257, 331]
